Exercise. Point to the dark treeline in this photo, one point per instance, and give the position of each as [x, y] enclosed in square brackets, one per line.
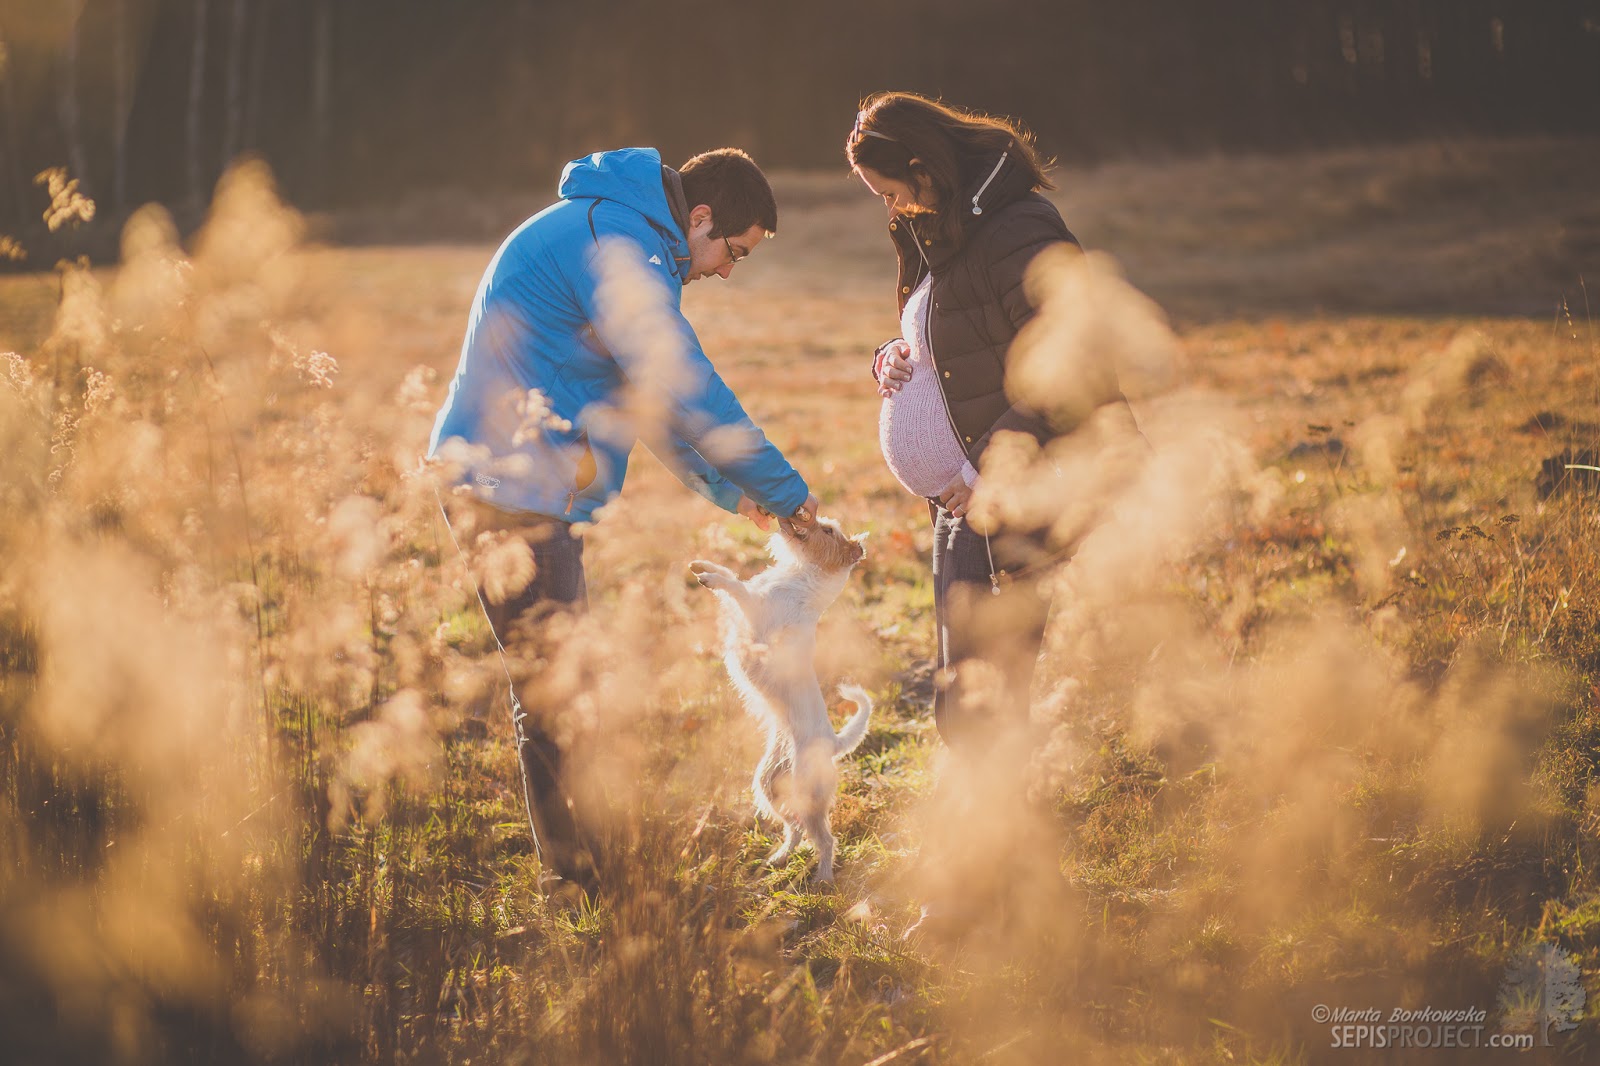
[359, 101]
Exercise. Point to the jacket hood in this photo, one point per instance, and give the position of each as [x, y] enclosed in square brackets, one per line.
[993, 183]
[633, 177]
[996, 182]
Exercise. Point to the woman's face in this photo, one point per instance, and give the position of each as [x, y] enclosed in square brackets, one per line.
[899, 196]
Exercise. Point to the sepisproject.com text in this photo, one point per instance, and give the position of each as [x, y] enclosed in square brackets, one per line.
[1424, 1027]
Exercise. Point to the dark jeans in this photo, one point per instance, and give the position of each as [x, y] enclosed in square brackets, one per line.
[978, 618]
[558, 584]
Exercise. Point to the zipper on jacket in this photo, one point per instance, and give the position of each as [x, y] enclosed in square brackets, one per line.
[927, 333]
[933, 364]
[996, 577]
[916, 242]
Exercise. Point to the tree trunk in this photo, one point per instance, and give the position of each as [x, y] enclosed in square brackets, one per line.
[13, 148]
[121, 106]
[321, 97]
[197, 83]
[71, 126]
[259, 35]
[233, 125]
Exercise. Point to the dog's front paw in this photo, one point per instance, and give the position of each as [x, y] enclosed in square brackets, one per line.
[701, 571]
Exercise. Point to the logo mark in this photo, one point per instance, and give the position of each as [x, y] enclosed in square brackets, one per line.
[1543, 990]
[486, 481]
[656, 259]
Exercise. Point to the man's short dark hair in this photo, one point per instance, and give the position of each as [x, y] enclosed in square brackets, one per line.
[729, 182]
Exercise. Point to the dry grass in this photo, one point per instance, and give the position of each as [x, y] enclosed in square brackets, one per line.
[1317, 721]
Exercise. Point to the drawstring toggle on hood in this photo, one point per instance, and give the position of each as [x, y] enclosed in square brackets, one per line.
[977, 210]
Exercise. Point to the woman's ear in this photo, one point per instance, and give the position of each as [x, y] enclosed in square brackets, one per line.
[921, 182]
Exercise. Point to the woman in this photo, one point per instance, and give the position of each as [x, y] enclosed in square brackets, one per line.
[966, 218]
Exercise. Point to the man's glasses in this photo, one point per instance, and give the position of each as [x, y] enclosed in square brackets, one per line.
[733, 256]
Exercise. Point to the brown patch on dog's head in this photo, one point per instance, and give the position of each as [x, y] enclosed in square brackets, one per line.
[825, 546]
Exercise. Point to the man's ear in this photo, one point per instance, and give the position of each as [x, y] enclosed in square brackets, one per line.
[698, 214]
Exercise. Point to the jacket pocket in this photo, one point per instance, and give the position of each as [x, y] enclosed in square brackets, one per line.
[587, 468]
[584, 471]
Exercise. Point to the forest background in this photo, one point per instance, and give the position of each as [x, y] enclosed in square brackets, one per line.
[361, 102]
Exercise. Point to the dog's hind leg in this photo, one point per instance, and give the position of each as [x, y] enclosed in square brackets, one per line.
[771, 773]
[791, 840]
[816, 827]
[767, 771]
[814, 785]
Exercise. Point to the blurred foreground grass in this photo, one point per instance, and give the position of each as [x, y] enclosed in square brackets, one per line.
[259, 798]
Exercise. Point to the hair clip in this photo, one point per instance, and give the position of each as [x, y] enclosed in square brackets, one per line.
[856, 132]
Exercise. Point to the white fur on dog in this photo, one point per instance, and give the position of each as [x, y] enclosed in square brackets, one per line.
[769, 627]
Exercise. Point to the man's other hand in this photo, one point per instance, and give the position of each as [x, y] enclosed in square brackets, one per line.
[752, 510]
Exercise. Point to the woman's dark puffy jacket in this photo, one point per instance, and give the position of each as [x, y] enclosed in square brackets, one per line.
[977, 303]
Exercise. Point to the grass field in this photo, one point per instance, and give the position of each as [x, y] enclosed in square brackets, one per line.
[1318, 718]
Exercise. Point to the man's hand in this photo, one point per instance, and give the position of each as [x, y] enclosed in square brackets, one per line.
[894, 368]
[957, 496]
[752, 510]
[800, 524]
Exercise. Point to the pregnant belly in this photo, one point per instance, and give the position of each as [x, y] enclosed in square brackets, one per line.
[918, 444]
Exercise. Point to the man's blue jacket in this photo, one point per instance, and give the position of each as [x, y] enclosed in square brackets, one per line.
[577, 346]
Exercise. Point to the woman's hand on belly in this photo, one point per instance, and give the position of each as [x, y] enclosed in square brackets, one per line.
[957, 496]
[895, 369]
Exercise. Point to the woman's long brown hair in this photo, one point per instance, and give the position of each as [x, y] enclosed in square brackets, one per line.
[909, 137]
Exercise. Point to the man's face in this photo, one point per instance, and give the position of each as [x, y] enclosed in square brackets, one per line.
[710, 255]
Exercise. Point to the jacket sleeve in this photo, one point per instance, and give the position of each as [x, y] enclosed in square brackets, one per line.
[691, 468]
[1008, 250]
[679, 399]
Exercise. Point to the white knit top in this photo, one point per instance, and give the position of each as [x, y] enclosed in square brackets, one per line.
[913, 426]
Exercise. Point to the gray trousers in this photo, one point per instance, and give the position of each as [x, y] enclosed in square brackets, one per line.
[558, 584]
[977, 619]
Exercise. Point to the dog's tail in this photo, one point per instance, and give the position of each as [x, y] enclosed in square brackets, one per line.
[849, 738]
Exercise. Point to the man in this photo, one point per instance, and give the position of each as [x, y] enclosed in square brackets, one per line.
[575, 348]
